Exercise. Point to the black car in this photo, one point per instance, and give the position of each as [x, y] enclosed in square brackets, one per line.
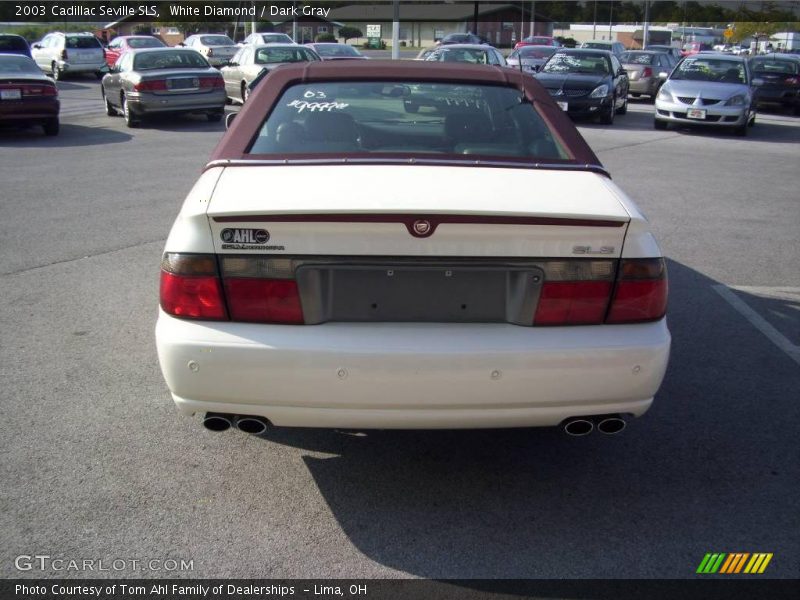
[463, 38]
[14, 44]
[586, 83]
[776, 78]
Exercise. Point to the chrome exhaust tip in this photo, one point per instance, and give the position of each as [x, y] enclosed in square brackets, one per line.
[217, 422]
[611, 425]
[252, 425]
[578, 427]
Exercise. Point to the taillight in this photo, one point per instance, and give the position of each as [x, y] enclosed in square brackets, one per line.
[261, 290]
[574, 292]
[151, 85]
[64, 54]
[191, 288]
[647, 72]
[641, 291]
[39, 90]
[792, 81]
[212, 82]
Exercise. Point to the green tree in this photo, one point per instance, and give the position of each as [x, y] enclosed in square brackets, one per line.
[347, 33]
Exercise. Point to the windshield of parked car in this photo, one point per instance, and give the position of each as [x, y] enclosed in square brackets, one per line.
[533, 52]
[771, 66]
[145, 43]
[216, 40]
[637, 58]
[363, 117]
[18, 65]
[271, 38]
[596, 45]
[83, 41]
[702, 68]
[170, 59]
[336, 50]
[585, 63]
[271, 55]
[465, 55]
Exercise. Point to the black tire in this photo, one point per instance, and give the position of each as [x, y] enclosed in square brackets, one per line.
[57, 73]
[99, 74]
[660, 125]
[740, 130]
[607, 118]
[624, 108]
[796, 110]
[130, 119]
[245, 92]
[216, 116]
[51, 126]
[110, 110]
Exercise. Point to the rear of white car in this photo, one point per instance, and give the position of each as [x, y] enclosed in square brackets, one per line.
[443, 291]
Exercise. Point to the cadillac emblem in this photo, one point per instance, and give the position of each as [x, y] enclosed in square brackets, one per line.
[422, 228]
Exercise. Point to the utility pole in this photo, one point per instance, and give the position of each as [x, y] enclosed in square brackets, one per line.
[594, 23]
[533, 18]
[646, 30]
[396, 30]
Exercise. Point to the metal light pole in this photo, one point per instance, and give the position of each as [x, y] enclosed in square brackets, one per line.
[396, 30]
[533, 18]
[594, 24]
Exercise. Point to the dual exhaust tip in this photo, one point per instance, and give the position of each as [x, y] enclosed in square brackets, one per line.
[246, 423]
[607, 424]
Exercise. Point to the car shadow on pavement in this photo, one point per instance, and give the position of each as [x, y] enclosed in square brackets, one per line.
[181, 122]
[69, 136]
[711, 466]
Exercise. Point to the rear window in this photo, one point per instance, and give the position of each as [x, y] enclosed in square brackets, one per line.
[336, 50]
[276, 37]
[637, 58]
[82, 41]
[176, 59]
[12, 42]
[466, 55]
[216, 40]
[406, 118]
[265, 56]
[781, 67]
[145, 43]
[18, 64]
[536, 52]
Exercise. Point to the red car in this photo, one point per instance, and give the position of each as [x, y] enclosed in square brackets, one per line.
[537, 40]
[27, 96]
[693, 48]
[120, 45]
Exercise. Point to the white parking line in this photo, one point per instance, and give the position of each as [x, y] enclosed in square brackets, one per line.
[777, 338]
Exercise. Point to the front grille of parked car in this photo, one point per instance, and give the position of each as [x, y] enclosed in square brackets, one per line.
[703, 101]
[570, 93]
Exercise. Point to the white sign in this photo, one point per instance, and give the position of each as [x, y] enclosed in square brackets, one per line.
[373, 31]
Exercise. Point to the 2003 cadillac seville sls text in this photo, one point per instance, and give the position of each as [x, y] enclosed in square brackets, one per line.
[344, 261]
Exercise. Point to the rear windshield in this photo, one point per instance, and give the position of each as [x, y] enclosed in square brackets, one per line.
[585, 63]
[465, 55]
[544, 41]
[276, 37]
[266, 56]
[83, 41]
[145, 43]
[406, 118]
[216, 40]
[637, 58]
[18, 64]
[174, 59]
[780, 67]
[596, 45]
[12, 42]
[535, 52]
[336, 50]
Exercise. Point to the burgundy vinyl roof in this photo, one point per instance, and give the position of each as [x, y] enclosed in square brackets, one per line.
[235, 142]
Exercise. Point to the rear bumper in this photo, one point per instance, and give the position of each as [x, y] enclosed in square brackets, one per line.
[29, 110]
[148, 103]
[647, 85]
[412, 375]
[89, 67]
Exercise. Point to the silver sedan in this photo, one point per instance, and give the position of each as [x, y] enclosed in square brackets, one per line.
[163, 80]
[248, 63]
[532, 57]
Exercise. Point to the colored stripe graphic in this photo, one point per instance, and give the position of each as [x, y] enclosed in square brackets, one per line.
[733, 563]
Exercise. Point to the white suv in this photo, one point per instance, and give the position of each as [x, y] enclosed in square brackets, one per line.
[61, 53]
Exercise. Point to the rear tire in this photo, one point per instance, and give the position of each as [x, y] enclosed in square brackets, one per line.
[130, 120]
[99, 74]
[110, 110]
[245, 92]
[57, 73]
[660, 125]
[624, 108]
[216, 116]
[51, 127]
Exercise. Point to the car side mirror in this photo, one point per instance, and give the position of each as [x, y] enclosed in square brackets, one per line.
[229, 119]
[233, 64]
[758, 81]
[37, 46]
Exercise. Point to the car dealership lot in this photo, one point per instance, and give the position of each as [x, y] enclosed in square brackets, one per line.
[98, 464]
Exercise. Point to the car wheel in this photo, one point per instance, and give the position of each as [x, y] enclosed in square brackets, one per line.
[216, 116]
[797, 110]
[57, 73]
[110, 110]
[130, 120]
[624, 108]
[740, 130]
[661, 125]
[607, 118]
[99, 74]
[51, 126]
[245, 92]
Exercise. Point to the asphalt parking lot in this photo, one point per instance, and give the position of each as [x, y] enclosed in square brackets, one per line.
[97, 463]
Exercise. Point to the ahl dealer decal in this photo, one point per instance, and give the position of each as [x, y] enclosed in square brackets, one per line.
[246, 239]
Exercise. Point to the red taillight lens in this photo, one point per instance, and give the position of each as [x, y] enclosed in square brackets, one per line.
[151, 85]
[572, 303]
[264, 300]
[39, 90]
[190, 287]
[647, 72]
[212, 82]
[792, 81]
[641, 291]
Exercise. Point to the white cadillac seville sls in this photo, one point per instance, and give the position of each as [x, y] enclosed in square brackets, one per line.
[387, 244]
